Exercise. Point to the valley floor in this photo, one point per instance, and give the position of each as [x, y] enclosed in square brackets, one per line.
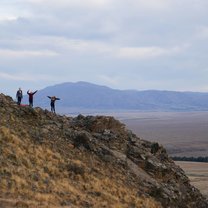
[181, 133]
[198, 174]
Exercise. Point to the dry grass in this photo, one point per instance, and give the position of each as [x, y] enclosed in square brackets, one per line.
[38, 176]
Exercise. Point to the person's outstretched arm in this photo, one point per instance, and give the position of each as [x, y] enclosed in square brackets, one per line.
[58, 99]
[28, 92]
[34, 92]
[49, 97]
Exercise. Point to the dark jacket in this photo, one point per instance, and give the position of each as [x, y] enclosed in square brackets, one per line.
[19, 94]
[31, 94]
[53, 99]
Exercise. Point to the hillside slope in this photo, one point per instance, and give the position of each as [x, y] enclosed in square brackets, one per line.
[90, 96]
[48, 160]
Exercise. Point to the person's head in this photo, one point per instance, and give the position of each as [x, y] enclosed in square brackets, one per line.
[19, 88]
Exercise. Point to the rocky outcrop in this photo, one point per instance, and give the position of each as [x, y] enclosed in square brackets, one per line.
[49, 160]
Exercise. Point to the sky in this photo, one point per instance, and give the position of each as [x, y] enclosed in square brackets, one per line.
[134, 44]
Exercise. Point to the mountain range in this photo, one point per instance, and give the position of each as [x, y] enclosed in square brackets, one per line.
[83, 95]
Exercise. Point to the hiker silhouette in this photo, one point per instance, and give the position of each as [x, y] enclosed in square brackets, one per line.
[53, 100]
[30, 93]
[19, 96]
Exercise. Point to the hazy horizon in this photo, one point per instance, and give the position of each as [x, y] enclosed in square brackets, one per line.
[13, 94]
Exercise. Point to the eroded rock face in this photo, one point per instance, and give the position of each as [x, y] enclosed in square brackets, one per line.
[91, 161]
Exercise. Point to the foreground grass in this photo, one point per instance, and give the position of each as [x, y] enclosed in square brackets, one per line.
[36, 175]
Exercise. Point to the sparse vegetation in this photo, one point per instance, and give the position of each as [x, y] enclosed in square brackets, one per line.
[44, 163]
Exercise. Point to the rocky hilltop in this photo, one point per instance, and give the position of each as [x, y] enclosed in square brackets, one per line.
[49, 160]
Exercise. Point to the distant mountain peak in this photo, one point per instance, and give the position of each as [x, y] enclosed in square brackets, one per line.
[86, 95]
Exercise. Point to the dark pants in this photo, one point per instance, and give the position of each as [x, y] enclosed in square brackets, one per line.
[53, 108]
[19, 99]
[31, 102]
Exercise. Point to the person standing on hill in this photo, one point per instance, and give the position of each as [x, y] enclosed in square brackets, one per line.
[53, 100]
[19, 96]
[30, 93]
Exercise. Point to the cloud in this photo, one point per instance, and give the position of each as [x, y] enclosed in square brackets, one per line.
[53, 4]
[12, 77]
[202, 32]
[50, 46]
[4, 18]
[147, 52]
[84, 46]
[55, 46]
[109, 80]
[26, 77]
[26, 53]
[75, 39]
[152, 4]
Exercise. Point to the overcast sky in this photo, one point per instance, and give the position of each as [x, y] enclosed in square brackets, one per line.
[134, 44]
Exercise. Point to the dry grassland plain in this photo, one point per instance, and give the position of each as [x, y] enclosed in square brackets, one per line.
[198, 174]
[181, 133]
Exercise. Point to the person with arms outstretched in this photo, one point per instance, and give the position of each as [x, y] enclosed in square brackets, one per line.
[19, 96]
[53, 100]
[30, 93]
